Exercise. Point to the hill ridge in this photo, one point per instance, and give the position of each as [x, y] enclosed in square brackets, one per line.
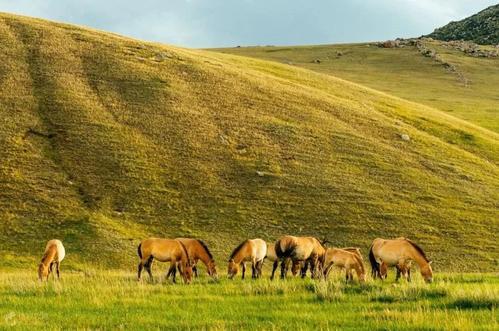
[481, 28]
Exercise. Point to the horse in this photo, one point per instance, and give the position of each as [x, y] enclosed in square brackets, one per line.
[272, 256]
[344, 259]
[306, 250]
[53, 255]
[254, 250]
[197, 250]
[398, 253]
[164, 250]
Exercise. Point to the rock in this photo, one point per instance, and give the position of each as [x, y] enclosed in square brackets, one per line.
[260, 173]
[316, 61]
[390, 44]
[405, 137]
[338, 53]
[161, 56]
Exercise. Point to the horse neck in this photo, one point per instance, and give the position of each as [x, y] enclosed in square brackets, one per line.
[49, 255]
[204, 256]
[240, 254]
[418, 258]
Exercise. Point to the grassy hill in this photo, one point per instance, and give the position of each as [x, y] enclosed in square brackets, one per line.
[482, 28]
[469, 92]
[105, 140]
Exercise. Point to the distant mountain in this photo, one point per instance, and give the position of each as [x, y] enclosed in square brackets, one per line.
[482, 28]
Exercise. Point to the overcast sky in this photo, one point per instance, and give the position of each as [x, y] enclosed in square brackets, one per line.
[211, 23]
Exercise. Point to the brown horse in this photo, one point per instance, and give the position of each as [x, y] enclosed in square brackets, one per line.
[398, 253]
[197, 250]
[53, 255]
[306, 250]
[165, 250]
[272, 256]
[344, 259]
[254, 250]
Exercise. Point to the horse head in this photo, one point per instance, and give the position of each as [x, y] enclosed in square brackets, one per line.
[187, 272]
[212, 270]
[43, 271]
[427, 272]
[232, 269]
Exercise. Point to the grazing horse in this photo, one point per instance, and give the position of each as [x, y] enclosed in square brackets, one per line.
[54, 254]
[306, 250]
[197, 250]
[272, 256]
[254, 250]
[398, 253]
[344, 259]
[165, 250]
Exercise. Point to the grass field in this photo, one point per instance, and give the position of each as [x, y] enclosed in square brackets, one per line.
[106, 140]
[403, 72]
[114, 300]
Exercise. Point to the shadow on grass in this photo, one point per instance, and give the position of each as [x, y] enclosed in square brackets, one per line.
[473, 304]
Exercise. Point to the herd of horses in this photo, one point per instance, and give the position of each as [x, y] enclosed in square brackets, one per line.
[299, 253]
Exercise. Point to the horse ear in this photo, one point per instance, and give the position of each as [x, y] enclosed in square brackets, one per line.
[430, 262]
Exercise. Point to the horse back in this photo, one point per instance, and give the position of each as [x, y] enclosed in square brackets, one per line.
[258, 248]
[55, 249]
[163, 250]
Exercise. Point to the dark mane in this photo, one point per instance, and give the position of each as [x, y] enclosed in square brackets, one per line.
[205, 248]
[185, 251]
[419, 249]
[238, 248]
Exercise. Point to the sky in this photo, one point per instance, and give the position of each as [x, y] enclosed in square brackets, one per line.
[217, 23]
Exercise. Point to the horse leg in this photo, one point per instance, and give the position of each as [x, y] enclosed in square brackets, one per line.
[195, 270]
[51, 267]
[139, 270]
[148, 265]
[408, 273]
[314, 266]
[170, 271]
[243, 267]
[58, 270]
[398, 274]
[303, 271]
[283, 269]
[274, 267]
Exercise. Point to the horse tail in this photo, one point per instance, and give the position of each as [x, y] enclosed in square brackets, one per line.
[374, 264]
[286, 252]
[139, 250]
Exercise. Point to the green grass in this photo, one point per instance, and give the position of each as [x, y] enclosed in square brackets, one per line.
[114, 300]
[106, 140]
[403, 72]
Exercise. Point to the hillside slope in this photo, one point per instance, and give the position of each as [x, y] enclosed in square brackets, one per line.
[481, 28]
[469, 92]
[105, 140]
